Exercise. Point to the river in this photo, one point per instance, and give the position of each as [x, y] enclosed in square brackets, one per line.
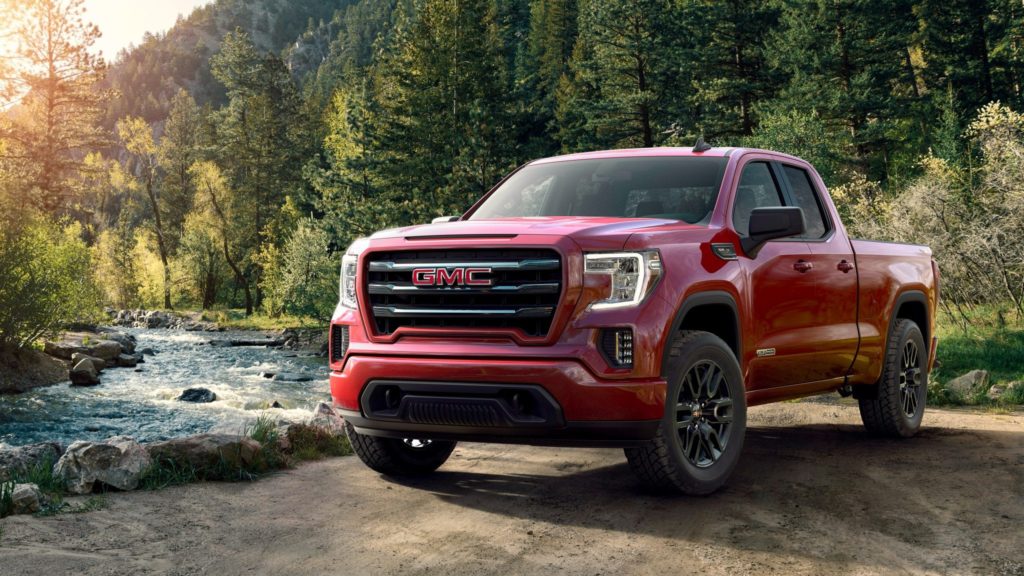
[144, 404]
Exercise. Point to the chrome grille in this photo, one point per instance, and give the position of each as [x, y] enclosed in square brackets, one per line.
[524, 293]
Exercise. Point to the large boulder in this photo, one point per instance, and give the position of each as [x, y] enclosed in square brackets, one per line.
[127, 341]
[324, 416]
[22, 369]
[62, 349]
[26, 499]
[116, 462]
[105, 349]
[209, 454]
[19, 460]
[198, 395]
[969, 383]
[98, 364]
[84, 374]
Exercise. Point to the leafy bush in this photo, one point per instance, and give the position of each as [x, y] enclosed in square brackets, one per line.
[302, 277]
[47, 279]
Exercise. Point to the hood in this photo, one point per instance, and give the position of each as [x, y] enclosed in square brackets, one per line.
[591, 233]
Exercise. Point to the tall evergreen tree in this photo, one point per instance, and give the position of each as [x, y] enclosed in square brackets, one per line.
[442, 128]
[259, 136]
[725, 47]
[180, 147]
[846, 63]
[623, 78]
[52, 83]
[552, 36]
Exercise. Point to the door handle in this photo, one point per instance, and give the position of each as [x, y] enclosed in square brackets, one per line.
[803, 266]
[844, 266]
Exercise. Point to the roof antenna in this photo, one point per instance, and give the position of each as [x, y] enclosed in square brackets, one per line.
[701, 145]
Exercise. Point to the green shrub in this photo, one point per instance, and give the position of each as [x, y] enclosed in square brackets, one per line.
[47, 279]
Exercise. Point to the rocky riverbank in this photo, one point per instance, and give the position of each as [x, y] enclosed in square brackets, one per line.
[81, 355]
[38, 476]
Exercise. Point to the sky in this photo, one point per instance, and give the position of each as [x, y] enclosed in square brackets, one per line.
[124, 22]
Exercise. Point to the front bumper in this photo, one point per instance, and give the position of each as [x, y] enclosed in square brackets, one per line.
[473, 399]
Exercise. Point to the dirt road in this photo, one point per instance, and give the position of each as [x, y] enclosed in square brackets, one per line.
[812, 495]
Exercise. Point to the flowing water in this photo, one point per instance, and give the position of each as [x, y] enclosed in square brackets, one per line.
[144, 404]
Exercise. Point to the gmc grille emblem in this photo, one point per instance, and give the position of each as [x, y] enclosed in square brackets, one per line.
[451, 277]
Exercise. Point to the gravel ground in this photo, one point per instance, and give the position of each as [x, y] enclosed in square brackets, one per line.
[812, 495]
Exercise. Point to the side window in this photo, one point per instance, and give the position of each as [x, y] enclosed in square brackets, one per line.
[757, 189]
[807, 198]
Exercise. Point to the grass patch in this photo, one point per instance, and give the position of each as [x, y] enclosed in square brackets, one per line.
[41, 474]
[316, 443]
[235, 319]
[164, 472]
[991, 342]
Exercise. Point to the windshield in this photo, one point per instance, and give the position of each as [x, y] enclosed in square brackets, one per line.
[674, 187]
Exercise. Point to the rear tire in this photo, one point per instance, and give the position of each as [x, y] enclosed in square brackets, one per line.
[394, 457]
[701, 434]
[897, 407]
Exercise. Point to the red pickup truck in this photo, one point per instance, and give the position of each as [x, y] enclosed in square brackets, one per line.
[633, 298]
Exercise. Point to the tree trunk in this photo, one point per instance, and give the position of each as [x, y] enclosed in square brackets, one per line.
[160, 242]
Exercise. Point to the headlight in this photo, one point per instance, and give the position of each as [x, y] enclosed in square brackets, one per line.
[633, 276]
[348, 281]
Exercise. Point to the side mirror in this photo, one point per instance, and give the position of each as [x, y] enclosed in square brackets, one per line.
[443, 219]
[771, 223]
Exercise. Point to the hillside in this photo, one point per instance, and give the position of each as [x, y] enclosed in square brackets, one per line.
[148, 76]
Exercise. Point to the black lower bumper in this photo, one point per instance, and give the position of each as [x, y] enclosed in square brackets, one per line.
[573, 433]
[482, 412]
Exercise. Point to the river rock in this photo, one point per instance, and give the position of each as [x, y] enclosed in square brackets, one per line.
[127, 360]
[26, 499]
[324, 416]
[62, 349]
[84, 374]
[207, 453]
[968, 383]
[292, 377]
[198, 395]
[127, 341]
[148, 352]
[98, 364]
[14, 461]
[116, 462]
[105, 349]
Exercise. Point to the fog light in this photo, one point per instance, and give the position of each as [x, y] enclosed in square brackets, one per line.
[617, 345]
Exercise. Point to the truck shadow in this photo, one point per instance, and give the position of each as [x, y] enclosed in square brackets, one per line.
[824, 491]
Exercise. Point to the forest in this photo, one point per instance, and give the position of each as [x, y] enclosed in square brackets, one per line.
[228, 162]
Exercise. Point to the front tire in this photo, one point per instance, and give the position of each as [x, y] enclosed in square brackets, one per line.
[897, 407]
[394, 457]
[701, 434]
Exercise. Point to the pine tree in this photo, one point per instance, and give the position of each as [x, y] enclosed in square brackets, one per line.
[52, 79]
[624, 75]
[552, 36]
[725, 48]
[259, 133]
[180, 147]
[846, 62]
[442, 129]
